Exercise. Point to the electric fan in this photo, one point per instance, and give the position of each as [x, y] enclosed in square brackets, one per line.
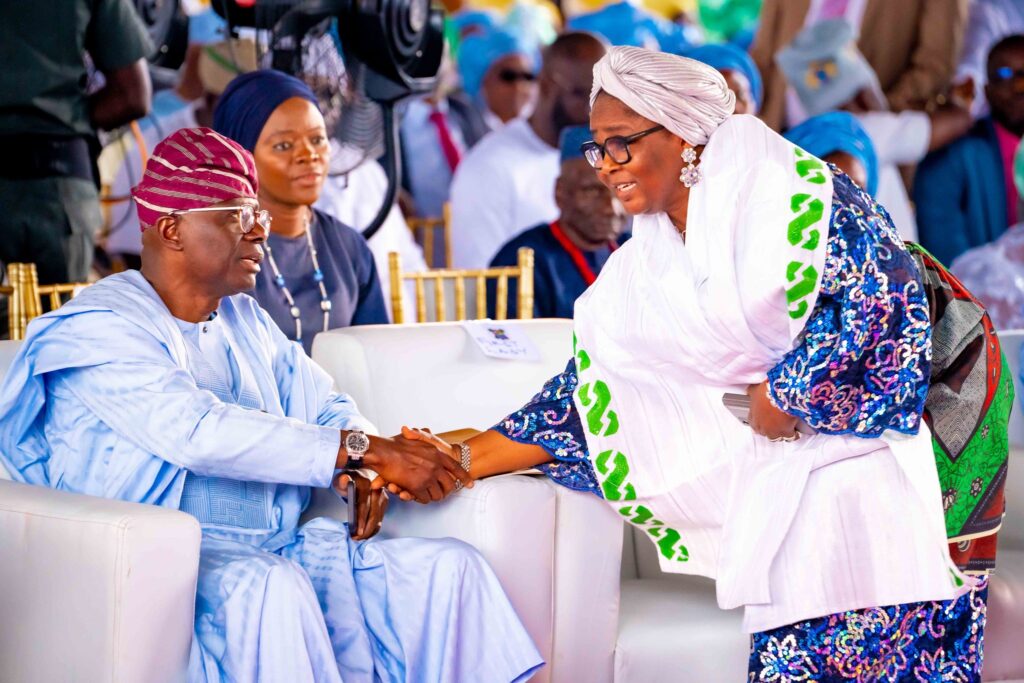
[360, 57]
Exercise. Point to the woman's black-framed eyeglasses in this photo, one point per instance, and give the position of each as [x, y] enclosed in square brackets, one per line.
[617, 147]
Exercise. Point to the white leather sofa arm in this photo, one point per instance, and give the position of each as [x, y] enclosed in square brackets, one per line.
[93, 589]
[588, 555]
[510, 519]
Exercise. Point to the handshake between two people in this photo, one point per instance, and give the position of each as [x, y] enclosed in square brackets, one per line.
[416, 465]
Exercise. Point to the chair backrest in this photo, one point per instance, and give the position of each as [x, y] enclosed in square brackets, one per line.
[24, 300]
[26, 296]
[55, 293]
[434, 375]
[522, 273]
[8, 350]
[425, 231]
[13, 307]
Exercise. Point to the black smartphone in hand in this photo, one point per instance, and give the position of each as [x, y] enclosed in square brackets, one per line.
[353, 506]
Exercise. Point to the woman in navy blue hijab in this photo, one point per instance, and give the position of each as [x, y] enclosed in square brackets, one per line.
[319, 274]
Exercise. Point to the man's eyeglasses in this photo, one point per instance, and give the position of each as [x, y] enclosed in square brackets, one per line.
[248, 216]
[616, 147]
[514, 76]
[1005, 74]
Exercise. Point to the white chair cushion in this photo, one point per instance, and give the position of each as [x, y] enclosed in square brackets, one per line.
[8, 349]
[94, 589]
[1011, 533]
[673, 630]
[588, 555]
[1004, 658]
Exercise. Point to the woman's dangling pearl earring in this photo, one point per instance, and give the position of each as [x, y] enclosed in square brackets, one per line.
[690, 174]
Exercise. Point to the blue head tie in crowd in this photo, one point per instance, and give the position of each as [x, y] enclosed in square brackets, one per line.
[572, 140]
[480, 50]
[838, 131]
[623, 23]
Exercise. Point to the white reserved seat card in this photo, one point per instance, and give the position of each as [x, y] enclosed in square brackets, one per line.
[503, 339]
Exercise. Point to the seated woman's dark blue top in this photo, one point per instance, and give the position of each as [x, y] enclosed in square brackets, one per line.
[871, 302]
[349, 276]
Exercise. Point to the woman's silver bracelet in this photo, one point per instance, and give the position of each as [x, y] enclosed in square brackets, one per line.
[465, 458]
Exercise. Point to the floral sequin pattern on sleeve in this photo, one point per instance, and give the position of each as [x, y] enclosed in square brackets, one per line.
[862, 363]
[550, 421]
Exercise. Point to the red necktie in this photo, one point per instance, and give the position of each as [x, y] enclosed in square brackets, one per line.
[444, 136]
[833, 9]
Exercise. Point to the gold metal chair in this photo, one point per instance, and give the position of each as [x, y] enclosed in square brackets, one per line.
[24, 302]
[523, 274]
[26, 296]
[56, 292]
[13, 309]
[424, 231]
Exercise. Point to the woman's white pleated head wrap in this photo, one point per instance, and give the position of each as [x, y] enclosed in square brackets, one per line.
[689, 98]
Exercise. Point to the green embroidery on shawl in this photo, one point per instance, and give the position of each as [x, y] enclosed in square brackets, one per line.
[802, 276]
[809, 168]
[612, 466]
[596, 397]
[809, 211]
[615, 486]
[582, 359]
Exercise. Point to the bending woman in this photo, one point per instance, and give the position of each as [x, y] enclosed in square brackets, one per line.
[319, 274]
[756, 268]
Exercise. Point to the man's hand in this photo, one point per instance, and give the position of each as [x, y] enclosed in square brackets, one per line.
[371, 504]
[766, 419]
[418, 467]
[421, 434]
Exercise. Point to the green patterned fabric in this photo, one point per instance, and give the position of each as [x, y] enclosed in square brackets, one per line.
[968, 410]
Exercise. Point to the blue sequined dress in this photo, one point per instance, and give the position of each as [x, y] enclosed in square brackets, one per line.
[861, 366]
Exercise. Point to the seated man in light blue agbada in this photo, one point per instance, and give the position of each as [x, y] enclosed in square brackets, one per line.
[170, 387]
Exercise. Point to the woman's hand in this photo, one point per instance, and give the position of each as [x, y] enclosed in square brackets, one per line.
[766, 419]
[371, 504]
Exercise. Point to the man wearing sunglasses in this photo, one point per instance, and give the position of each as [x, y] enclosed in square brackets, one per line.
[964, 193]
[171, 387]
[506, 183]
